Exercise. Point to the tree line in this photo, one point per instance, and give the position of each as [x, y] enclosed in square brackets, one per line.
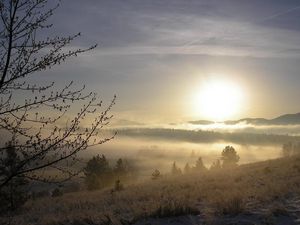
[99, 173]
[229, 159]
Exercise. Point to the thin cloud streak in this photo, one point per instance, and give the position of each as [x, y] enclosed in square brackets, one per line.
[196, 36]
[282, 13]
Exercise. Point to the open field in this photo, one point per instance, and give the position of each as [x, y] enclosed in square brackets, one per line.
[259, 193]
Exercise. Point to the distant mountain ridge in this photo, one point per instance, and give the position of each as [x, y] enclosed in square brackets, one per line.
[286, 119]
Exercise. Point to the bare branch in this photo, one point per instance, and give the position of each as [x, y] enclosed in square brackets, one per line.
[31, 115]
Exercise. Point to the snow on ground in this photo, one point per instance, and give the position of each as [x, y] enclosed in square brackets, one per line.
[287, 214]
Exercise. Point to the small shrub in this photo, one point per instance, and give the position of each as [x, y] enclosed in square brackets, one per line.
[118, 186]
[267, 170]
[156, 174]
[57, 192]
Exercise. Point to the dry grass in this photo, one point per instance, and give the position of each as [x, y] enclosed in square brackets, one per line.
[212, 194]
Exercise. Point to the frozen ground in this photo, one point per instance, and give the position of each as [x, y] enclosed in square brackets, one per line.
[284, 212]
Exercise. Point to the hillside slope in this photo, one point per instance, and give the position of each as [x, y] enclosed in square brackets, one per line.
[259, 193]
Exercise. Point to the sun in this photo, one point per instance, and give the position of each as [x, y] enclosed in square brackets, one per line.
[218, 100]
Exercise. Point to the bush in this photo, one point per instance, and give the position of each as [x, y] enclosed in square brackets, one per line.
[118, 186]
[57, 192]
[156, 174]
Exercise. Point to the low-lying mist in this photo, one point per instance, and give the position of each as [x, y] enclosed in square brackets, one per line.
[151, 147]
[148, 154]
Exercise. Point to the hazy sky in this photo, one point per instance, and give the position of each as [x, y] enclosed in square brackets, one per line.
[157, 54]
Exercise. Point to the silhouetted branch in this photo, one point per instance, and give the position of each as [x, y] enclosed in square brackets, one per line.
[30, 114]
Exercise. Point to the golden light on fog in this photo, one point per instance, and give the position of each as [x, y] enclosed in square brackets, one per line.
[218, 100]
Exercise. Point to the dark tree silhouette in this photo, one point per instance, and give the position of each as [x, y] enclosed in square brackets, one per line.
[199, 165]
[118, 185]
[13, 194]
[97, 172]
[175, 170]
[216, 165]
[121, 168]
[187, 168]
[97, 165]
[230, 157]
[30, 114]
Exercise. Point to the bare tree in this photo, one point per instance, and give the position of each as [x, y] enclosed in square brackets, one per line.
[33, 117]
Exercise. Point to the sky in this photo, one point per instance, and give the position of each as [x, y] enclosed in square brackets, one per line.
[157, 55]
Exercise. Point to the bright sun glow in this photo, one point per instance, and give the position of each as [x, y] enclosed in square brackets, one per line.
[218, 100]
